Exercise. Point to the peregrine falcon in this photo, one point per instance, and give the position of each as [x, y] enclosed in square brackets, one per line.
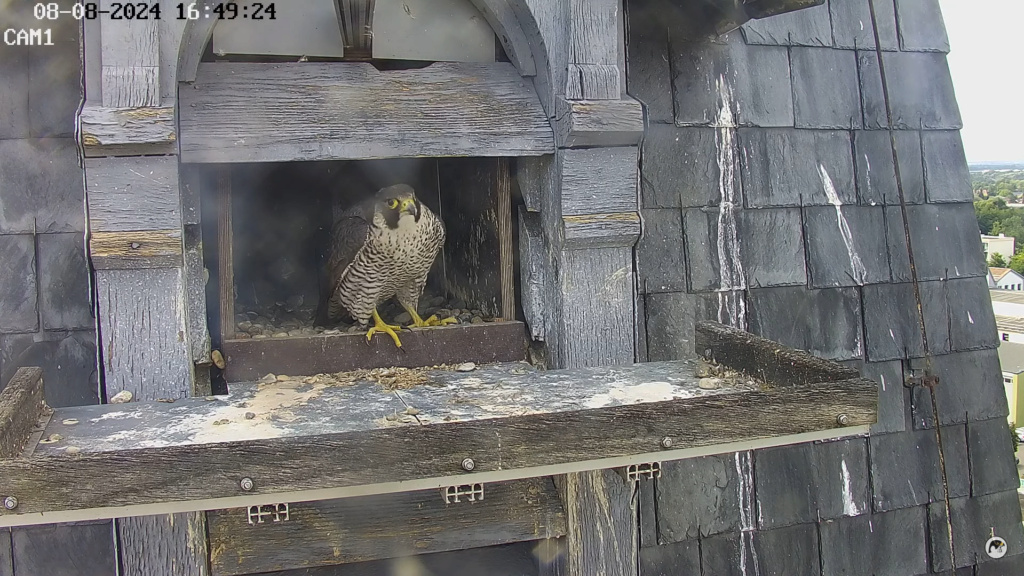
[383, 247]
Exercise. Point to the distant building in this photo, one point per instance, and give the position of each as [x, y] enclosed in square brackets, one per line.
[1011, 359]
[1005, 279]
[1002, 245]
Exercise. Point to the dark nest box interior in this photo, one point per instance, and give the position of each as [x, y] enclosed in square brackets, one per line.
[279, 147]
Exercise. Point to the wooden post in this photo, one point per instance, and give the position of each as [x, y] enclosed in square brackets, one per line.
[504, 217]
[225, 255]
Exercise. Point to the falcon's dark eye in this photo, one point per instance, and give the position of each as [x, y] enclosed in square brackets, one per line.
[392, 203]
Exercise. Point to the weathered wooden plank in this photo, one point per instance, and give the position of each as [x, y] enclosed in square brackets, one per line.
[142, 329]
[514, 446]
[598, 123]
[136, 250]
[131, 59]
[513, 38]
[599, 508]
[601, 230]
[597, 307]
[168, 544]
[171, 33]
[244, 112]
[195, 298]
[532, 273]
[489, 342]
[383, 526]
[225, 254]
[21, 406]
[194, 39]
[132, 194]
[6, 557]
[128, 131]
[594, 51]
[545, 25]
[506, 261]
[599, 180]
[765, 359]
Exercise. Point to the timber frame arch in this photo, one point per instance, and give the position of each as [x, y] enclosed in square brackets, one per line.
[513, 21]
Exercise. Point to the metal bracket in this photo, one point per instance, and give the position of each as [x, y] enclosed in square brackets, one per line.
[471, 492]
[925, 379]
[276, 512]
[637, 472]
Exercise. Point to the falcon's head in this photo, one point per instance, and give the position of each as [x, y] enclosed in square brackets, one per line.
[398, 205]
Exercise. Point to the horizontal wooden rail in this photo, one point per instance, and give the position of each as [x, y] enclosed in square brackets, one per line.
[299, 439]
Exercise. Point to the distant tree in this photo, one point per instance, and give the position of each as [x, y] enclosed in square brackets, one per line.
[1017, 262]
[997, 260]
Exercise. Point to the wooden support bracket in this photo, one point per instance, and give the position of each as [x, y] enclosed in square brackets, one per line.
[21, 407]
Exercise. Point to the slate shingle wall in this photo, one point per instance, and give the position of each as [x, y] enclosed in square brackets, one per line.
[45, 312]
[767, 180]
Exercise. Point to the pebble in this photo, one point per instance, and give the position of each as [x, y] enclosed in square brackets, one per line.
[72, 450]
[465, 367]
[244, 326]
[218, 359]
[259, 336]
[403, 318]
[477, 320]
[267, 379]
[250, 415]
[391, 417]
[221, 422]
[443, 312]
[332, 332]
[280, 334]
[122, 397]
[708, 384]
[355, 329]
[242, 336]
[437, 301]
[411, 411]
[69, 422]
[459, 304]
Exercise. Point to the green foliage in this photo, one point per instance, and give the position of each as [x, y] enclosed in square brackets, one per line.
[1017, 262]
[995, 218]
[1008, 184]
[997, 261]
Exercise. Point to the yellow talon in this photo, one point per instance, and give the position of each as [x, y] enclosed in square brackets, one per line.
[380, 326]
[418, 322]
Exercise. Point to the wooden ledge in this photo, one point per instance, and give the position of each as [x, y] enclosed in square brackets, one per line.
[331, 437]
[128, 131]
[21, 407]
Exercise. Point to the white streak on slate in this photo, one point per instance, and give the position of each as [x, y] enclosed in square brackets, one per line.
[859, 272]
[730, 268]
[849, 506]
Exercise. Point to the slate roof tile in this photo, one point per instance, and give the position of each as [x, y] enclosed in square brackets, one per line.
[905, 467]
[846, 245]
[876, 177]
[789, 167]
[851, 24]
[889, 543]
[974, 520]
[825, 90]
[18, 288]
[993, 468]
[921, 26]
[807, 27]
[970, 388]
[921, 98]
[839, 338]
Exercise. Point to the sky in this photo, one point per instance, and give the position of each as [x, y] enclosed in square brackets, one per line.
[986, 61]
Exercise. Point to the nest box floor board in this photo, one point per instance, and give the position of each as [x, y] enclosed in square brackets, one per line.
[288, 439]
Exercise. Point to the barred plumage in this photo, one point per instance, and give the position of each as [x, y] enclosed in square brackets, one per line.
[381, 248]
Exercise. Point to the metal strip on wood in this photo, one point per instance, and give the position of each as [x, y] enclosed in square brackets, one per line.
[247, 112]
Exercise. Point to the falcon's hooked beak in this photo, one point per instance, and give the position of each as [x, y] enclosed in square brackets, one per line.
[411, 206]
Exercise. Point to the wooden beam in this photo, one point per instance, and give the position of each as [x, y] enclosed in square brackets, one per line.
[765, 359]
[600, 507]
[225, 254]
[601, 230]
[131, 57]
[304, 355]
[594, 50]
[136, 250]
[21, 406]
[500, 15]
[246, 112]
[367, 528]
[587, 123]
[503, 215]
[128, 131]
[509, 419]
[132, 194]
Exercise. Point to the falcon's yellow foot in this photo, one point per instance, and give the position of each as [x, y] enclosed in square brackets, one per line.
[418, 322]
[380, 326]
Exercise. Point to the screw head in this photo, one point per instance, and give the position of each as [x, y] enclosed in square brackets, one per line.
[246, 484]
[468, 465]
[666, 442]
[843, 419]
[10, 502]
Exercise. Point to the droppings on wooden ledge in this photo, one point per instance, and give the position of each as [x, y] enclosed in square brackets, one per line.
[51, 439]
[122, 397]
[69, 422]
